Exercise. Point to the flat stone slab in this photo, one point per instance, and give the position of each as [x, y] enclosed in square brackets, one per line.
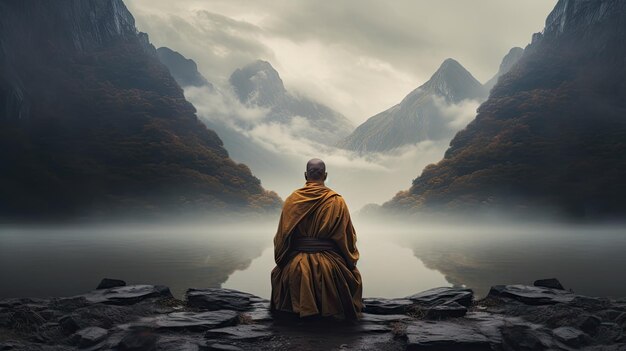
[190, 320]
[447, 310]
[127, 295]
[424, 335]
[386, 306]
[570, 336]
[89, 336]
[245, 332]
[532, 295]
[219, 299]
[443, 295]
[383, 318]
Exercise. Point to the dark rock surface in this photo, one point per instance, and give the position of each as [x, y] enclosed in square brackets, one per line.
[107, 283]
[146, 317]
[551, 283]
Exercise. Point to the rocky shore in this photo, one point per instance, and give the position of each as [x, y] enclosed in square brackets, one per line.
[147, 317]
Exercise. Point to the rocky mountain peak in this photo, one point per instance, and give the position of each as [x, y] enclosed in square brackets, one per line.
[184, 70]
[453, 82]
[509, 60]
[258, 83]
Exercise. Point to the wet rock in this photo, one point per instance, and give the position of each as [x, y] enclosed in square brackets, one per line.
[524, 338]
[448, 310]
[532, 295]
[138, 340]
[386, 306]
[551, 283]
[127, 295]
[383, 318]
[590, 324]
[570, 336]
[424, 335]
[590, 303]
[191, 320]
[89, 336]
[107, 283]
[217, 299]
[68, 324]
[224, 347]
[444, 295]
[247, 332]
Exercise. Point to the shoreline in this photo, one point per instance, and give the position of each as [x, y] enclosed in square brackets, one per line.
[148, 317]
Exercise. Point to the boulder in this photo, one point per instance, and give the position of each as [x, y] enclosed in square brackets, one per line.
[89, 336]
[443, 295]
[217, 299]
[386, 306]
[551, 283]
[570, 336]
[107, 283]
[127, 295]
[532, 295]
[138, 340]
[425, 335]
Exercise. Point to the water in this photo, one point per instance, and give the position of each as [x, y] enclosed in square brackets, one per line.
[395, 262]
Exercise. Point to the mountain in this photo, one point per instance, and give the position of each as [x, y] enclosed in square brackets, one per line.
[184, 70]
[419, 115]
[509, 60]
[93, 123]
[259, 85]
[552, 133]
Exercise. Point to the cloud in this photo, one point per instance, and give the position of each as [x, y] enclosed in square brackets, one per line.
[357, 56]
[458, 115]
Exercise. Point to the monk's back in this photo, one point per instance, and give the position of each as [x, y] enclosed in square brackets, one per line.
[316, 254]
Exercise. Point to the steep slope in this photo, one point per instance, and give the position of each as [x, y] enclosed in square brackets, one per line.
[509, 60]
[419, 116]
[552, 132]
[259, 84]
[184, 70]
[93, 123]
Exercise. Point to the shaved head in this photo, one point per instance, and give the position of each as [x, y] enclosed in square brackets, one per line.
[315, 170]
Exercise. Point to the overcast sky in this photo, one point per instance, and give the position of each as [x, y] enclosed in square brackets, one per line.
[359, 57]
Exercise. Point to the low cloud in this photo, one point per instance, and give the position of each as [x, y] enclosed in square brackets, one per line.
[457, 115]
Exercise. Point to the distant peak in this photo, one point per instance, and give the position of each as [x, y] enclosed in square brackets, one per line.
[258, 82]
[450, 63]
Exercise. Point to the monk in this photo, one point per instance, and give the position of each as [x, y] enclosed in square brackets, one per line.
[315, 252]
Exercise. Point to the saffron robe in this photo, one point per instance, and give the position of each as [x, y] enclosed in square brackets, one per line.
[325, 283]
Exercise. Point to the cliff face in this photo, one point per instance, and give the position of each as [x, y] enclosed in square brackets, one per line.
[184, 70]
[93, 122]
[552, 131]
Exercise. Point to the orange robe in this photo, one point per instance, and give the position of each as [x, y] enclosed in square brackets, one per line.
[318, 283]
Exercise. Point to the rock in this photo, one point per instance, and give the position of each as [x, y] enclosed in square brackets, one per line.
[551, 283]
[386, 306]
[224, 347]
[383, 318]
[570, 336]
[191, 320]
[524, 338]
[448, 310]
[590, 324]
[107, 283]
[68, 324]
[443, 295]
[424, 335]
[247, 332]
[127, 295]
[89, 336]
[532, 295]
[138, 340]
[218, 299]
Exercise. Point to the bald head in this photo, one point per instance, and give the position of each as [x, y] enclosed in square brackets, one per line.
[315, 170]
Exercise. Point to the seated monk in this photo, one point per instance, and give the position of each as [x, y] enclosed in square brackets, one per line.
[315, 252]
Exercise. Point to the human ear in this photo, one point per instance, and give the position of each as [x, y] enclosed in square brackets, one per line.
[305, 177]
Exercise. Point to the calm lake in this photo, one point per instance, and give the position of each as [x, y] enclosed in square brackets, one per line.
[395, 262]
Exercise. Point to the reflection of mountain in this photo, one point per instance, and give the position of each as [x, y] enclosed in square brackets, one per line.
[419, 116]
[486, 257]
[551, 133]
[92, 121]
[259, 85]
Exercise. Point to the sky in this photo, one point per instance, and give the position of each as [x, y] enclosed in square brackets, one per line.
[359, 57]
